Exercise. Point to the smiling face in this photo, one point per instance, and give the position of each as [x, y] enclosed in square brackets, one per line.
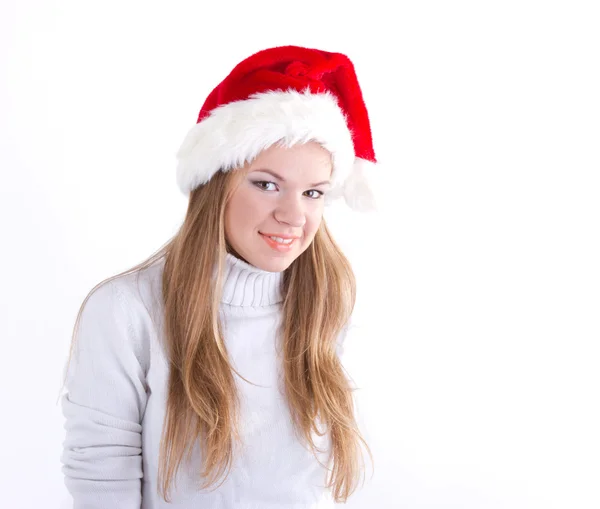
[280, 194]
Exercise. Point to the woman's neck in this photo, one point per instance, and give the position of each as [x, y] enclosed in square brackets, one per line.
[247, 285]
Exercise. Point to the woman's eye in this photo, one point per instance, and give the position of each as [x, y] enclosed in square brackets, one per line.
[261, 183]
[318, 194]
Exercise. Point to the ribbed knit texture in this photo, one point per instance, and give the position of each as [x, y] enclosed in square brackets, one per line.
[114, 404]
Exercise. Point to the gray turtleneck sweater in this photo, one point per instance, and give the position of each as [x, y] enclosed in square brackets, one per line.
[116, 393]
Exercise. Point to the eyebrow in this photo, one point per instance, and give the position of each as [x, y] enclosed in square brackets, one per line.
[271, 172]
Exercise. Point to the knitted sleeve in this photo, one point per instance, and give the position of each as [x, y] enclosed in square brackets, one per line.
[104, 405]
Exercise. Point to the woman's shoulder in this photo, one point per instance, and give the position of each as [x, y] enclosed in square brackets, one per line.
[122, 314]
[134, 286]
[143, 285]
[136, 295]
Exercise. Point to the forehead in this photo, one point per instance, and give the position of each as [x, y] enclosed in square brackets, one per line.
[297, 163]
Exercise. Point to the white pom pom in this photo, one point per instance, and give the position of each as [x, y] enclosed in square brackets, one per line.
[357, 192]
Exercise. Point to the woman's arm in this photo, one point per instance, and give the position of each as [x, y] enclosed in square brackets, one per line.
[104, 406]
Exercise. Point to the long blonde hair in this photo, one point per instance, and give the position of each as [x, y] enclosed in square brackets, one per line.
[319, 292]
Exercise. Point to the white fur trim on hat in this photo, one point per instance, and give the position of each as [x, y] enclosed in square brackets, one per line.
[235, 133]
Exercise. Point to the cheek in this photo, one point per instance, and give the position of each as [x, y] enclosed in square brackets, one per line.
[245, 213]
[234, 218]
[312, 224]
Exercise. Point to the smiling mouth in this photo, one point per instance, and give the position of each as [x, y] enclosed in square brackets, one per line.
[279, 240]
[279, 246]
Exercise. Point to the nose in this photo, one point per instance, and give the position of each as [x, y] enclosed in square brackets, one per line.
[290, 210]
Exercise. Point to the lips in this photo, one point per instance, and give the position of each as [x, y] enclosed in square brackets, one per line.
[282, 248]
[281, 235]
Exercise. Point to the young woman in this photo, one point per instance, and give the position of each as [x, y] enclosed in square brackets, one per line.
[220, 354]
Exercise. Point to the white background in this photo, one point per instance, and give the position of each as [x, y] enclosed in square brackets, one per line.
[478, 278]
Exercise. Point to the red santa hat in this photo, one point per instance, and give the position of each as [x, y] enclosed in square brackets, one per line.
[285, 95]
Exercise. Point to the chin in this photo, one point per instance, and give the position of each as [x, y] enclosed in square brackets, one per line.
[275, 264]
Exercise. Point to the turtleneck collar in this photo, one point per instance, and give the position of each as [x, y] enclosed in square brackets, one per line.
[248, 286]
